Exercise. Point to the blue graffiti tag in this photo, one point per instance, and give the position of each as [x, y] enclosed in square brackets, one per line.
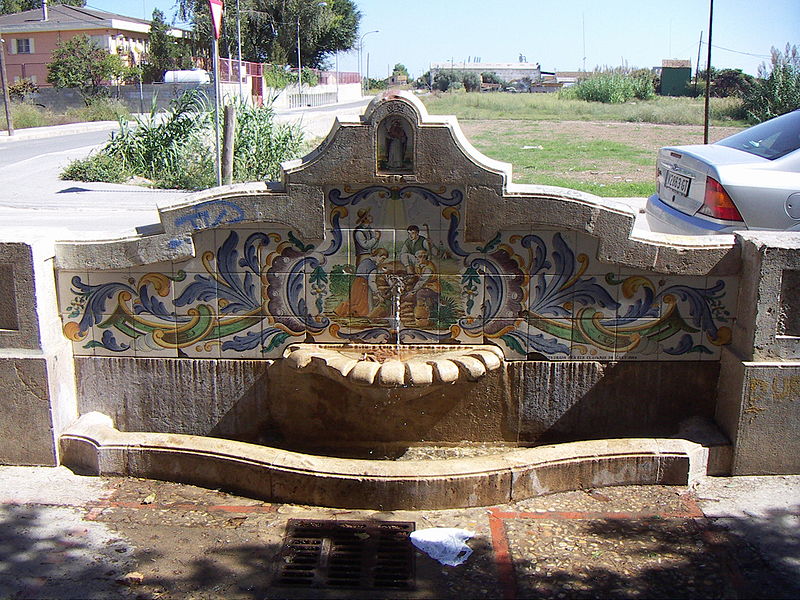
[211, 214]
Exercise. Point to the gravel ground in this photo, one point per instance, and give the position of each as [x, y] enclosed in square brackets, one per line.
[144, 539]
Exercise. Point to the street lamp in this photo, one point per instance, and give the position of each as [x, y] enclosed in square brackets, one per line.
[299, 66]
[360, 50]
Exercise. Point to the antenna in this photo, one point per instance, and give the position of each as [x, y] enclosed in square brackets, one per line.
[583, 22]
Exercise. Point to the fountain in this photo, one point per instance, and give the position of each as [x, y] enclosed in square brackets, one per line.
[364, 307]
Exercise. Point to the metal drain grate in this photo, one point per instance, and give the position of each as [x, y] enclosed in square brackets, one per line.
[319, 553]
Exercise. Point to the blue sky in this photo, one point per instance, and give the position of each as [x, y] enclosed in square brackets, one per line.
[554, 33]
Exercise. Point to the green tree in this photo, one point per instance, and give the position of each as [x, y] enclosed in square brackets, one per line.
[400, 69]
[472, 82]
[8, 7]
[269, 29]
[777, 89]
[164, 52]
[730, 82]
[78, 63]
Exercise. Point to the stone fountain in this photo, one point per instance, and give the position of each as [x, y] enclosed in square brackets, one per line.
[365, 305]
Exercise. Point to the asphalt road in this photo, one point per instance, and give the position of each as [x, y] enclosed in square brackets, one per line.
[34, 202]
[14, 151]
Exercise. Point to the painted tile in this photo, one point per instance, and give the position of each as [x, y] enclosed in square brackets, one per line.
[82, 342]
[687, 345]
[638, 341]
[592, 339]
[512, 336]
[550, 339]
[244, 338]
[193, 292]
[159, 343]
[586, 256]
[70, 301]
[473, 297]
[637, 295]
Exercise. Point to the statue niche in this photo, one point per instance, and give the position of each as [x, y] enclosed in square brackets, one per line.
[395, 145]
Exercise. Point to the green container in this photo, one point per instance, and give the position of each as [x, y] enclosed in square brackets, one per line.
[675, 81]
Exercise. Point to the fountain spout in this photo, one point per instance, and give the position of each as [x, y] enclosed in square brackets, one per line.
[410, 371]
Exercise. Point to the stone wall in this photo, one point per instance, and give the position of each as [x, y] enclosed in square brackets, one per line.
[36, 369]
[759, 392]
[526, 402]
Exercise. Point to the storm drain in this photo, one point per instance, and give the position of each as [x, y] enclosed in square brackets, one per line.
[319, 553]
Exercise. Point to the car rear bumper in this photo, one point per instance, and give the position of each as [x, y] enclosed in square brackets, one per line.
[665, 219]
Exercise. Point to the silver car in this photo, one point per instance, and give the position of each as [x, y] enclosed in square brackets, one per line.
[750, 180]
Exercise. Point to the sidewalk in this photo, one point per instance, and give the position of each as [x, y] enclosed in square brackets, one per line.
[67, 536]
[35, 133]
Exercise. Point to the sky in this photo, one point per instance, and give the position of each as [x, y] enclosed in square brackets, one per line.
[563, 35]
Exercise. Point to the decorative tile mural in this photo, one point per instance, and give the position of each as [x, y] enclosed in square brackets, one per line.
[393, 268]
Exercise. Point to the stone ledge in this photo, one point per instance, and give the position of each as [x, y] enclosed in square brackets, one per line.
[92, 445]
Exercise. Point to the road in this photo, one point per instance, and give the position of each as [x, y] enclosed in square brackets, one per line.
[35, 203]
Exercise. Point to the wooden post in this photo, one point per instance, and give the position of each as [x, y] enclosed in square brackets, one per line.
[228, 140]
[4, 83]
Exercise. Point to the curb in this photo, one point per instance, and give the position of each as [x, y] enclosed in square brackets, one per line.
[34, 133]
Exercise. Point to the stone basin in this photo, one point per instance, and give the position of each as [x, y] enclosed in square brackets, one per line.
[411, 371]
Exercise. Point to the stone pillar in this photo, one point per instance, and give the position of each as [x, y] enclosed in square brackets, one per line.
[36, 369]
[759, 390]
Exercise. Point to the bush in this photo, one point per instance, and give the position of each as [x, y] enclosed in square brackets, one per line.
[261, 145]
[613, 88]
[99, 109]
[777, 91]
[171, 150]
[29, 115]
[730, 82]
[472, 82]
[96, 167]
[24, 87]
[277, 78]
[491, 77]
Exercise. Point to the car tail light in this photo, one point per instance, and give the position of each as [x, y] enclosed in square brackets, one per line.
[718, 204]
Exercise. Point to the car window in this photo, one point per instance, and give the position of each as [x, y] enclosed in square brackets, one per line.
[770, 139]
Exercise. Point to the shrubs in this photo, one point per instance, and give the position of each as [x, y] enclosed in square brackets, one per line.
[22, 88]
[614, 87]
[777, 91]
[99, 109]
[172, 149]
[261, 145]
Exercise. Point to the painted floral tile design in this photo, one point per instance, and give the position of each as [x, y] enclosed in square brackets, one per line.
[393, 269]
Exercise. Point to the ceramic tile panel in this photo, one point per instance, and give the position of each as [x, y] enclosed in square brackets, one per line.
[512, 336]
[394, 256]
[549, 339]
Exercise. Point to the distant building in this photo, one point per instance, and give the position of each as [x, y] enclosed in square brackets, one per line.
[505, 71]
[675, 77]
[32, 35]
[553, 81]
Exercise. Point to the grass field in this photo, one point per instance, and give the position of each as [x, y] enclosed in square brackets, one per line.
[604, 149]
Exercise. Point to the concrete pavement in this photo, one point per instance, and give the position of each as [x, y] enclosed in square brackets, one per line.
[67, 536]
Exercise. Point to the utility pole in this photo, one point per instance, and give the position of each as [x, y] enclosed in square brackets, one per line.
[708, 72]
[4, 78]
[697, 65]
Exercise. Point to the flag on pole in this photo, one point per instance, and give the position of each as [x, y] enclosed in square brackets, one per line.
[216, 17]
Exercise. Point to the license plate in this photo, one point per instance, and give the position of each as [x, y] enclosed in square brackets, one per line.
[677, 182]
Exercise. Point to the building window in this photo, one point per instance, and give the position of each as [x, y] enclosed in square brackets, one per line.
[24, 45]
